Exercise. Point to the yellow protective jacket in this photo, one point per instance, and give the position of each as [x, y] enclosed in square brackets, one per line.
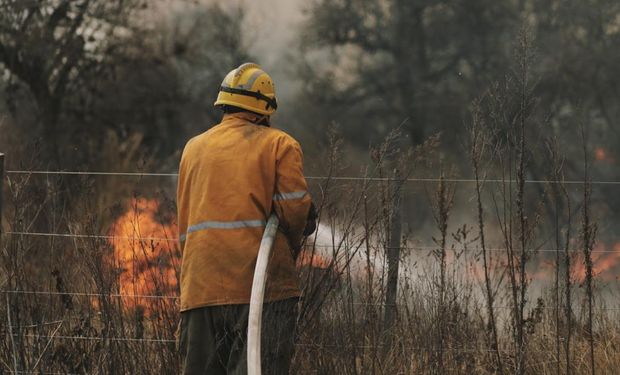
[230, 180]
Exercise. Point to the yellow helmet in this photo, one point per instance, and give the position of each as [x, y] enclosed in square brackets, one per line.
[250, 88]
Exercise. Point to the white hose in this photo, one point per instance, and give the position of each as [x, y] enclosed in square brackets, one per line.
[258, 295]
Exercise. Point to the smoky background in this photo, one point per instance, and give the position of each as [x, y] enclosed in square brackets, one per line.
[392, 102]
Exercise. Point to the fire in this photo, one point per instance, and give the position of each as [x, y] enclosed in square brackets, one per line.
[312, 260]
[147, 255]
[604, 264]
[600, 154]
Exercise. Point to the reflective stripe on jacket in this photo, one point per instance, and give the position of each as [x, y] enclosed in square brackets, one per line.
[230, 179]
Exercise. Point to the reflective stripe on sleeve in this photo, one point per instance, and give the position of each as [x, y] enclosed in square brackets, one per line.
[223, 225]
[289, 196]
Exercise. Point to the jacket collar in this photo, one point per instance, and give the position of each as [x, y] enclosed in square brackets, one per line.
[245, 116]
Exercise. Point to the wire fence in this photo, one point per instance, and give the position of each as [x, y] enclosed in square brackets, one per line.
[319, 346]
[176, 297]
[335, 178]
[93, 236]
[312, 346]
[176, 239]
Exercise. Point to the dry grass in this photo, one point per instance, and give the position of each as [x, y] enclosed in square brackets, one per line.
[442, 324]
[464, 305]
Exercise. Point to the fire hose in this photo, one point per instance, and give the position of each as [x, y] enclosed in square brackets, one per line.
[258, 295]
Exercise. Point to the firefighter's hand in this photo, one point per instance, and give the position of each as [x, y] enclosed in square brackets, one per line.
[311, 221]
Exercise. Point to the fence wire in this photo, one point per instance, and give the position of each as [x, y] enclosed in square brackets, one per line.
[335, 178]
[301, 344]
[176, 297]
[176, 239]
[93, 236]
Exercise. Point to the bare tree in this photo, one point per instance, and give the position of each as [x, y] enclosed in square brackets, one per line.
[48, 46]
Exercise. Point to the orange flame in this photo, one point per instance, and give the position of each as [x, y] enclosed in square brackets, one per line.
[600, 154]
[147, 255]
[604, 264]
[312, 260]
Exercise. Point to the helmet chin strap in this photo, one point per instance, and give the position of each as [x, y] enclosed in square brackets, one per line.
[263, 120]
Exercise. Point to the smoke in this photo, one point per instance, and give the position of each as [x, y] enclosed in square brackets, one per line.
[271, 28]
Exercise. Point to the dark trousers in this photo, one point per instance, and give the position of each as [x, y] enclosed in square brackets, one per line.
[212, 339]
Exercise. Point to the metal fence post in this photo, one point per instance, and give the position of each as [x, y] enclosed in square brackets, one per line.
[1, 188]
[393, 256]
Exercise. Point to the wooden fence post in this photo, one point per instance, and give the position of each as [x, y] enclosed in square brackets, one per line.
[393, 257]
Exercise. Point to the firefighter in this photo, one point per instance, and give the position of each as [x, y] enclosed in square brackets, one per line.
[231, 178]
